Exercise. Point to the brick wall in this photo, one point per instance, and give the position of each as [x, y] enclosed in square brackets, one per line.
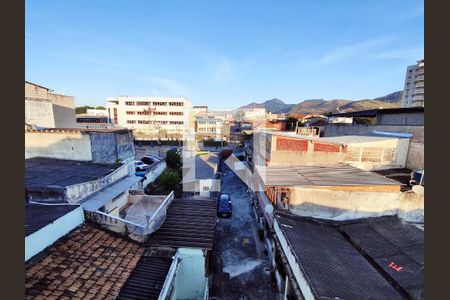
[287, 144]
[322, 147]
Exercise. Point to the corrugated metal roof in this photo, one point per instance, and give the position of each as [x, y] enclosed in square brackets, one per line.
[335, 175]
[396, 248]
[146, 280]
[189, 223]
[331, 266]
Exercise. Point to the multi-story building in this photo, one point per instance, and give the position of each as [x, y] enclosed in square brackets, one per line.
[211, 127]
[413, 92]
[152, 117]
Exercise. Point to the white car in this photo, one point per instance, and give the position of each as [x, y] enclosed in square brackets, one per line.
[150, 159]
[140, 166]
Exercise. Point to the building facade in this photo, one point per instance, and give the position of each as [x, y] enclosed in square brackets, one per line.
[414, 89]
[45, 109]
[152, 118]
[211, 127]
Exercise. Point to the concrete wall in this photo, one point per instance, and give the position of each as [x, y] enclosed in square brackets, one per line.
[75, 193]
[154, 172]
[40, 113]
[416, 156]
[125, 145]
[346, 205]
[63, 110]
[416, 119]
[62, 145]
[293, 158]
[41, 239]
[108, 147]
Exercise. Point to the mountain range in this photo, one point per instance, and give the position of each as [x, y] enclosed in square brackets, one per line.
[321, 106]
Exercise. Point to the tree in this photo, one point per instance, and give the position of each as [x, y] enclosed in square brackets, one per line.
[82, 109]
[100, 107]
[169, 178]
[173, 159]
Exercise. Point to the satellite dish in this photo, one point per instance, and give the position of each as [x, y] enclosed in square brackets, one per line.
[144, 217]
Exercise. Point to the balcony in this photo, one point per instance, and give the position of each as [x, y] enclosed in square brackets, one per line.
[419, 91]
[418, 98]
[420, 78]
[420, 84]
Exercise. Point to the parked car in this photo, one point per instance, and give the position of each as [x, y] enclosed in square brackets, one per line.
[140, 166]
[150, 159]
[224, 206]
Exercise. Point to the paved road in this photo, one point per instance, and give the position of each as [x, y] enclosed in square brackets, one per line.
[241, 269]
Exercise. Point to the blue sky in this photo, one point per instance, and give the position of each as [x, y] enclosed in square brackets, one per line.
[222, 53]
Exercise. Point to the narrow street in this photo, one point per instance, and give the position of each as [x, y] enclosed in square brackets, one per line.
[241, 269]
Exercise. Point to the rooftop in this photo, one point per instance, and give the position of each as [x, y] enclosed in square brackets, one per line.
[49, 172]
[85, 130]
[147, 279]
[189, 223]
[38, 216]
[334, 175]
[88, 263]
[374, 112]
[378, 257]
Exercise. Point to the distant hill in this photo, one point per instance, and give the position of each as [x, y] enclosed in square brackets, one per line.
[318, 106]
[274, 105]
[321, 106]
[392, 97]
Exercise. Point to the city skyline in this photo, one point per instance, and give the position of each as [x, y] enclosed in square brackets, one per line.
[195, 50]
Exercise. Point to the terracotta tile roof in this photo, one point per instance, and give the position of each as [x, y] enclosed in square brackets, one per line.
[86, 264]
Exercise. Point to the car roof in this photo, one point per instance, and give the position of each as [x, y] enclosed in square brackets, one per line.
[224, 196]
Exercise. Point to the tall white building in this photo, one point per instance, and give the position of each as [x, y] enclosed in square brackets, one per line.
[413, 92]
[152, 117]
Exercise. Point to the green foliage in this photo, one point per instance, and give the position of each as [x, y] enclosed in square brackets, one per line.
[169, 178]
[82, 109]
[100, 107]
[173, 159]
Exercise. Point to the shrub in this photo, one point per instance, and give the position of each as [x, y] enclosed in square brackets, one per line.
[173, 159]
[169, 178]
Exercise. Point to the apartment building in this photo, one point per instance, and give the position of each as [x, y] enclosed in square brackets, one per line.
[413, 92]
[211, 127]
[152, 117]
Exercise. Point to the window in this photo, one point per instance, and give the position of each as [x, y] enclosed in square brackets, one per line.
[176, 122]
[143, 122]
[160, 103]
[176, 113]
[143, 103]
[176, 103]
[130, 112]
[145, 112]
[129, 103]
[131, 121]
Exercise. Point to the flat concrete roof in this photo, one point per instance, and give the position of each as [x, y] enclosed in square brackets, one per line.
[310, 176]
[87, 130]
[38, 216]
[49, 172]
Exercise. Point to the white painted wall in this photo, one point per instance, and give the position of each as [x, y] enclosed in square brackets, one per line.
[41, 239]
[39, 113]
[61, 145]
